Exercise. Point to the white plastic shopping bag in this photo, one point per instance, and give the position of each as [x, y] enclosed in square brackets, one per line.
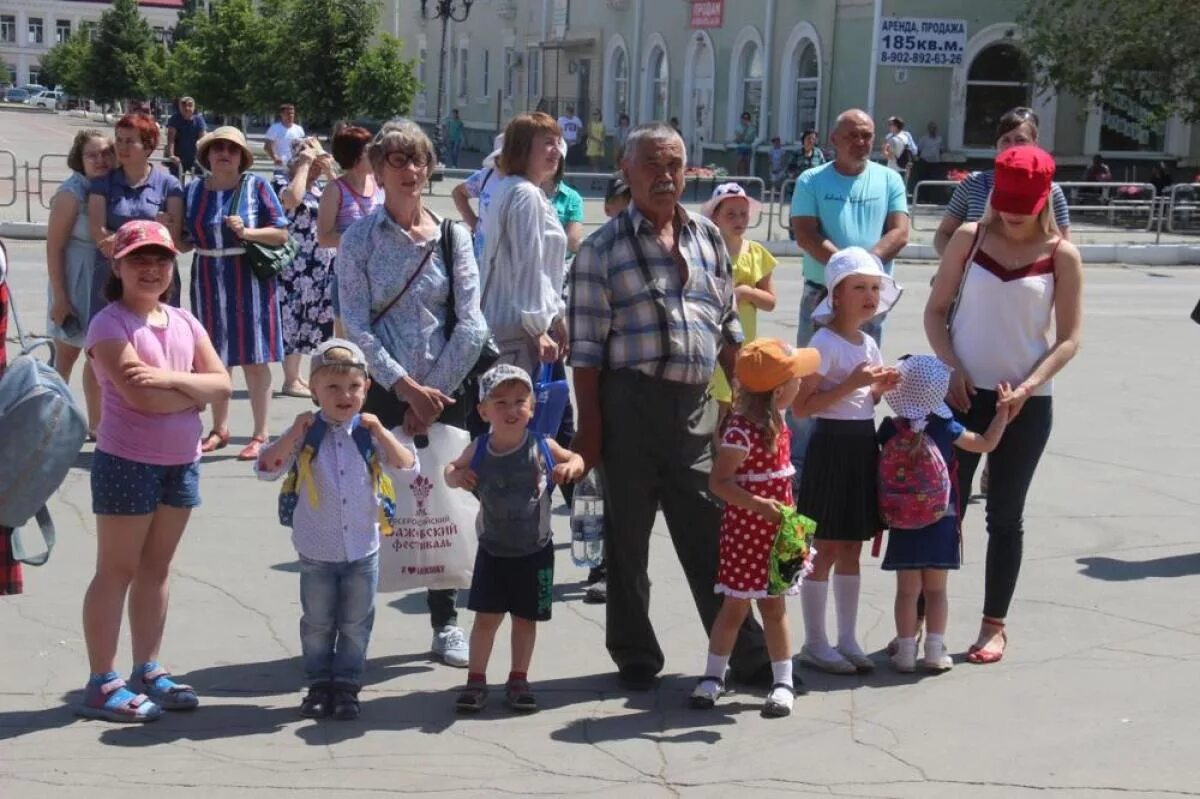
[432, 544]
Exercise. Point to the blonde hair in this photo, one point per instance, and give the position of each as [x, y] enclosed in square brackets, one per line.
[1045, 217]
[759, 408]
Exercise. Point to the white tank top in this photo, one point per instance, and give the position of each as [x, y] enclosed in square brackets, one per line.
[1002, 326]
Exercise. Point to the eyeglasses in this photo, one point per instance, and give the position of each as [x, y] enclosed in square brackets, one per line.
[399, 160]
[224, 146]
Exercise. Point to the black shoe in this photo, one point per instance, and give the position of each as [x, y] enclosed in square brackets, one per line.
[345, 704]
[318, 702]
[637, 677]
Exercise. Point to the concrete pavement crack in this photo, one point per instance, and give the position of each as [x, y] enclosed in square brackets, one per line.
[237, 601]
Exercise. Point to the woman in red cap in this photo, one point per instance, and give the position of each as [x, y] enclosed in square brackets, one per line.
[1006, 307]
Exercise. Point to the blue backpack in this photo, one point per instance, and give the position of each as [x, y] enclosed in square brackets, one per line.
[300, 475]
[41, 433]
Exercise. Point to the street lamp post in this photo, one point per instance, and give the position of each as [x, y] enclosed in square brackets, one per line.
[445, 10]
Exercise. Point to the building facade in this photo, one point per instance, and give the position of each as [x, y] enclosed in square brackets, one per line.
[793, 64]
[28, 28]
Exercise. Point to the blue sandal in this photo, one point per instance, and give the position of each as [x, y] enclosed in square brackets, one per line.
[155, 681]
[108, 699]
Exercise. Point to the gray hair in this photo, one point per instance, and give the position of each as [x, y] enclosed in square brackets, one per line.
[655, 132]
[399, 134]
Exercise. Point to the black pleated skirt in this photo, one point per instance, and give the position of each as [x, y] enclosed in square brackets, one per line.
[838, 488]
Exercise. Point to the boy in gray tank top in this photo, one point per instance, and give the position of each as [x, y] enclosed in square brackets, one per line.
[509, 469]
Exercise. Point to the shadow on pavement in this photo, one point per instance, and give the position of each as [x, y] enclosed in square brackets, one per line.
[286, 675]
[1115, 570]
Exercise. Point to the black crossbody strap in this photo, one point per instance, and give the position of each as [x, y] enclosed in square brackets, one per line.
[408, 284]
[657, 293]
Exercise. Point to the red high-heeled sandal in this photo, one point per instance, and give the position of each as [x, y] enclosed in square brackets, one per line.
[981, 656]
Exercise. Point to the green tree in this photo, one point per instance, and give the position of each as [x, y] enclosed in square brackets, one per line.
[188, 15]
[323, 42]
[220, 62]
[117, 62]
[382, 84]
[1138, 55]
[66, 64]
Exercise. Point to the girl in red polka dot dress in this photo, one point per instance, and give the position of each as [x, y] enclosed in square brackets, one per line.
[753, 475]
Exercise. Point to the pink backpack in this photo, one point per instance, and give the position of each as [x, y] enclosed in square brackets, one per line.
[914, 483]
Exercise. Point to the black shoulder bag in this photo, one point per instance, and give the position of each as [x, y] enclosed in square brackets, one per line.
[490, 352]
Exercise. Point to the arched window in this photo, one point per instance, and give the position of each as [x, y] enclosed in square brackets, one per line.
[808, 87]
[620, 73]
[752, 80]
[998, 79]
[657, 89]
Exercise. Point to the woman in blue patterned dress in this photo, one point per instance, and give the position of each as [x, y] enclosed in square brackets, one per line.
[308, 281]
[239, 310]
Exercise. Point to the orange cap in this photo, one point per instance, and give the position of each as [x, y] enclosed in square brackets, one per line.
[767, 363]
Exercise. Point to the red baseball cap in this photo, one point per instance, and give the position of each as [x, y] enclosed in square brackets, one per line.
[1023, 178]
[138, 233]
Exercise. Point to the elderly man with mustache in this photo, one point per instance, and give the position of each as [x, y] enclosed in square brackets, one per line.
[651, 316]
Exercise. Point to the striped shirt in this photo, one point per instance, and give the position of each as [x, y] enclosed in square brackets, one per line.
[971, 196]
[669, 329]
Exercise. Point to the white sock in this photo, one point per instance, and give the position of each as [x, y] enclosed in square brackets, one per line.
[936, 640]
[813, 597]
[845, 604]
[907, 645]
[782, 671]
[716, 665]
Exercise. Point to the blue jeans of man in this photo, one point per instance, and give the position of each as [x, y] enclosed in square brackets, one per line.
[802, 428]
[338, 604]
[454, 148]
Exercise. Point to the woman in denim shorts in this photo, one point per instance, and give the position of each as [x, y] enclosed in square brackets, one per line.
[156, 368]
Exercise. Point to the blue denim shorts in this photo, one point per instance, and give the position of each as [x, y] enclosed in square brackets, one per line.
[122, 487]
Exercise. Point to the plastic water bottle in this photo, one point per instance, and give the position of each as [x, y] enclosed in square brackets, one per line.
[587, 521]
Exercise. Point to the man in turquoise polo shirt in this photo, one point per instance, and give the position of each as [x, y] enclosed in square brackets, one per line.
[850, 201]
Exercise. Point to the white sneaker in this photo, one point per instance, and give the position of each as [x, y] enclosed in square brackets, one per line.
[936, 657]
[450, 646]
[905, 657]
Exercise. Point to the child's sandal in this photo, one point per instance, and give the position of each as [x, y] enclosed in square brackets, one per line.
[112, 701]
[155, 681]
[779, 706]
[519, 697]
[471, 699]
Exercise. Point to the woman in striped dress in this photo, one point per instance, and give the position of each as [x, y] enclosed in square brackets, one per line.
[239, 310]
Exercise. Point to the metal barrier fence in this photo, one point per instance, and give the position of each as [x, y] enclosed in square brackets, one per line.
[1107, 203]
[8, 174]
[1186, 208]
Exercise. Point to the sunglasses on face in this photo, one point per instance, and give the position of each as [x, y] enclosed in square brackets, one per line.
[224, 147]
[399, 160]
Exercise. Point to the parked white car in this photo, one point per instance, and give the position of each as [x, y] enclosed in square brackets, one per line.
[50, 98]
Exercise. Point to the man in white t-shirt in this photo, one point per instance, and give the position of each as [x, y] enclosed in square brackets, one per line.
[572, 130]
[278, 139]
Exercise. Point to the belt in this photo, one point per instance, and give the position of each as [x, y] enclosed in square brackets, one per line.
[221, 253]
[815, 286]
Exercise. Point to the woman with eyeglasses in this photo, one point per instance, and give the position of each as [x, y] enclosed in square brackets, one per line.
[396, 288]
[134, 189]
[71, 261]
[1018, 126]
[525, 248]
[239, 309]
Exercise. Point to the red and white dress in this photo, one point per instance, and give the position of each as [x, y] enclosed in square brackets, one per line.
[747, 537]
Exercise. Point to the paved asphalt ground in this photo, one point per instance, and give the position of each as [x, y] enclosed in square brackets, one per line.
[1099, 695]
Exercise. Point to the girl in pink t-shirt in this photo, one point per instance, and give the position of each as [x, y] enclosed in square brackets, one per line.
[156, 368]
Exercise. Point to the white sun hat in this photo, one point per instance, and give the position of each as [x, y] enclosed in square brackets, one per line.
[924, 381]
[728, 191]
[856, 261]
[489, 161]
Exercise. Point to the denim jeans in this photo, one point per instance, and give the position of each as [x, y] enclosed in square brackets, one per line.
[454, 148]
[1010, 474]
[338, 603]
[802, 428]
